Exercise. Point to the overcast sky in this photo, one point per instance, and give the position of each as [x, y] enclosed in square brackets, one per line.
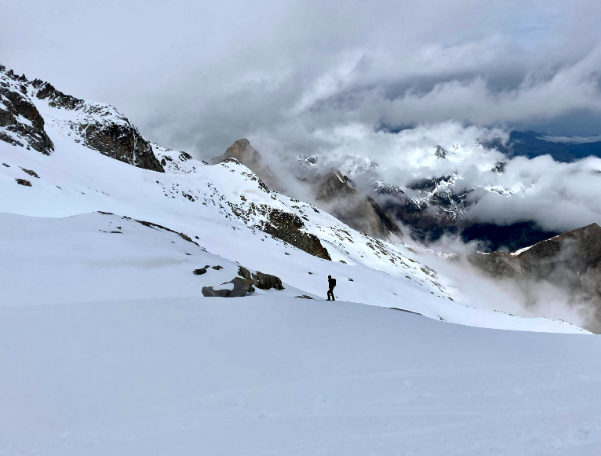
[197, 75]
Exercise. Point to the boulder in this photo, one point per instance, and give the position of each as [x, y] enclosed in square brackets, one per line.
[24, 182]
[241, 288]
[267, 281]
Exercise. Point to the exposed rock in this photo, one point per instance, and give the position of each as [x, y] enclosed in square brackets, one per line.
[31, 173]
[157, 226]
[24, 182]
[4, 164]
[242, 287]
[100, 127]
[200, 271]
[121, 142]
[304, 297]
[244, 273]
[246, 154]
[267, 281]
[217, 268]
[103, 128]
[209, 292]
[260, 280]
[18, 115]
[351, 207]
[289, 228]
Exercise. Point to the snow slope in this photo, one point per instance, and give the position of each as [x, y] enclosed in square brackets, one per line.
[224, 206]
[271, 375]
[218, 204]
[102, 257]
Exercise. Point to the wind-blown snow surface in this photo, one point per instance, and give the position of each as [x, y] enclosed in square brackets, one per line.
[272, 375]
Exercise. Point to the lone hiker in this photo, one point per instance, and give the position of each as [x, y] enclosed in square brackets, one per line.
[331, 284]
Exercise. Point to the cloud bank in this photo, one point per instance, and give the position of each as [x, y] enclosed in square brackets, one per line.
[198, 75]
[303, 77]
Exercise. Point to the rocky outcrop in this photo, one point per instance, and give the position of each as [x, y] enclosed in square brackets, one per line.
[338, 195]
[103, 128]
[267, 281]
[244, 285]
[288, 227]
[246, 154]
[98, 126]
[20, 121]
[260, 280]
[240, 289]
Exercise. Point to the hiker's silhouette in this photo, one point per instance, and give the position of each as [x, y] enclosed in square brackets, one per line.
[331, 285]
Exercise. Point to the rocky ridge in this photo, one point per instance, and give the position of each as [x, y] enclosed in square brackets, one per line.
[29, 105]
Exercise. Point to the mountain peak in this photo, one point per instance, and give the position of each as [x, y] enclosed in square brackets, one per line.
[250, 157]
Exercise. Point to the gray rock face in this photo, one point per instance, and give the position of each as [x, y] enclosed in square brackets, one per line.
[260, 280]
[104, 129]
[267, 281]
[351, 207]
[15, 106]
[288, 227]
[31, 172]
[244, 273]
[242, 287]
[246, 154]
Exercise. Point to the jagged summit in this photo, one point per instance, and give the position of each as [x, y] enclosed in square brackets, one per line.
[246, 154]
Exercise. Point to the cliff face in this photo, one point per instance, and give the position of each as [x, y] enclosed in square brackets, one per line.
[348, 205]
[20, 121]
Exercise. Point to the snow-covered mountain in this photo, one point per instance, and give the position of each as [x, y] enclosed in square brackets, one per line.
[226, 208]
[434, 206]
